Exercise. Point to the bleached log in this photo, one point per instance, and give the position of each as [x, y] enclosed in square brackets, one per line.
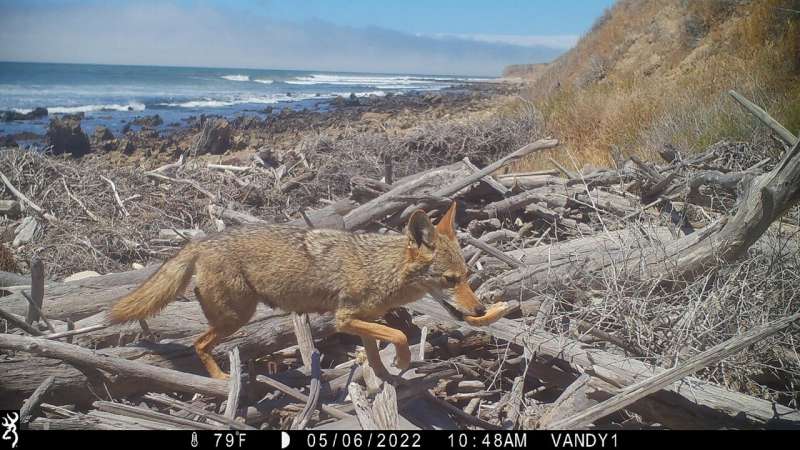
[234, 384]
[388, 203]
[47, 216]
[573, 400]
[646, 387]
[37, 291]
[261, 336]
[166, 400]
[488, 179]
[363, 189]
[362, 407]
[692, 403]
[32, 403]
[763, 116]
[135, 412]
[160, 377]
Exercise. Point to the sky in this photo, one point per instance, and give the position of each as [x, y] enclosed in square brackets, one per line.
[464, 37]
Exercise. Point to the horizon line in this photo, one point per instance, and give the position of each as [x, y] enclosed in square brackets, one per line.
[258, 68]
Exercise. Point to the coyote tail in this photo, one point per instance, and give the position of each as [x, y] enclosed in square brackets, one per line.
[158, 290]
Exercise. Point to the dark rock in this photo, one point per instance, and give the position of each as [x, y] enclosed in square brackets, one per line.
[38, 112]
[102, 133]
[149, 134]
[268, 156]
[126, 128]
[74, 116]
[340, 101]
[247, 122]
[214, 138]
[352, 100]
[8, 140]
[433, 98]
[66, 136]
[8, 116]
[126, 146]
[148, 121]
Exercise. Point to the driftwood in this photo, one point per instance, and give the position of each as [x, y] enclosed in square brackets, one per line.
[119, 410]
[388, 203]
[334, 412]
[573, 400]
[311, 361]
[37, 291]
[31, 404]
[13, 279]
[235, 384]
[208, 415]
[19, 322]
[646, 387]
[47, 216]
[162, 378]
[567, 229]
[690, 402]
[259, 337]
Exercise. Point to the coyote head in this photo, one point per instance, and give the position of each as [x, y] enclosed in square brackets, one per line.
[10, 425]
[443, 272]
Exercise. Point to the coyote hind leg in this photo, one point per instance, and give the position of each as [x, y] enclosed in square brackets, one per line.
[227, 310]
[369, 331]
[203, 347]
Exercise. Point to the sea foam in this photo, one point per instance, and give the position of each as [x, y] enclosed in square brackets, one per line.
[388, 82]
[236, 77]
[230, 101]
[93, 108]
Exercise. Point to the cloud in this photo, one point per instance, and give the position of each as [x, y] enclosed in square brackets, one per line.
[557, 41]
[161, 33]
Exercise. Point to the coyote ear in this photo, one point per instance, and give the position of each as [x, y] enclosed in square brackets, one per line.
[447, 225]
[420, 230]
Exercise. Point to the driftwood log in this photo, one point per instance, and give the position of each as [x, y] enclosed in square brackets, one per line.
[591, 208]
[687, 404]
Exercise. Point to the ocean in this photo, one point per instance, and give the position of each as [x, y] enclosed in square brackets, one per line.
[112, 95]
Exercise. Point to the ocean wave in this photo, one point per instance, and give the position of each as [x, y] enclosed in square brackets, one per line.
[388, 82]
[266, 100]
[198, 104]
[263, 81]
[236, 77]
[220, 103]
[358, 94]
[88, 108]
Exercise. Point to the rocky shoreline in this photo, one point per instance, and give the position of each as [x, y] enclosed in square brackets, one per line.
[145, 140]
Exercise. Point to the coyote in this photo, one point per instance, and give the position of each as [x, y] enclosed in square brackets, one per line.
[359, 277]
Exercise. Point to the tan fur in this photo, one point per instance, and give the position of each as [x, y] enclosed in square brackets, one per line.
[359, 277]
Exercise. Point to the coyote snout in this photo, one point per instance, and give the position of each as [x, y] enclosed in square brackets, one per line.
[359, 277]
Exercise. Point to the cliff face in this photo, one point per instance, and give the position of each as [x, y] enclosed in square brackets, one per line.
[652, 72]
[527, 72]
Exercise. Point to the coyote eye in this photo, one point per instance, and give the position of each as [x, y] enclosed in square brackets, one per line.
[452, 280]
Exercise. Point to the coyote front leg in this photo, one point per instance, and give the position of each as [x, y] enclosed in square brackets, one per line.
[369, 331]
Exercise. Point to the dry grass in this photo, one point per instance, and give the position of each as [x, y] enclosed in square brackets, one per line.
[117, 240]
[664, 324]
[632, 85]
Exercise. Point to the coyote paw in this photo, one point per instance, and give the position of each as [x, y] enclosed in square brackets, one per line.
[221, 376]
